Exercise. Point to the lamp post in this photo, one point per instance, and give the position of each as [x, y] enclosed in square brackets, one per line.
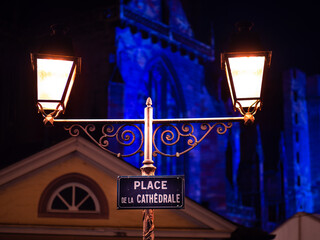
[244, 70]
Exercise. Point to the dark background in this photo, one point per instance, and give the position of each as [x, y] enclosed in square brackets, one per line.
[289, 29]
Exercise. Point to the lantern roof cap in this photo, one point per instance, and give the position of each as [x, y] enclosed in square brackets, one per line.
[244, 39]
[58, 43]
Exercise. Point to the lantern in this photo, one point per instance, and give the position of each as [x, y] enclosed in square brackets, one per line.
[55, 78]
[56, 70]
[245, 72]
[245, 63]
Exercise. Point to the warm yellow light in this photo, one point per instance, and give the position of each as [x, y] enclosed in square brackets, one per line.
[52, 78]
[247, 74]
[229, 83]
[70, 86]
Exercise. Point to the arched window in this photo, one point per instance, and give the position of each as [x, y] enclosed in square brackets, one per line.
[164, 88]
[73, 196]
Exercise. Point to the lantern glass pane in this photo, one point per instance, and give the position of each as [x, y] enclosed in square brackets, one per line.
[50, 105]
[70, 86]
[248, 103]
[229, 84]
[247, 74]
[52, 76]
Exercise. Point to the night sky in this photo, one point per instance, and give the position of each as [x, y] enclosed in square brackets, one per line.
[291, 30]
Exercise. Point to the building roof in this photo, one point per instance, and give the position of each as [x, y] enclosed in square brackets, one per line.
[204, 223]
[301, 226]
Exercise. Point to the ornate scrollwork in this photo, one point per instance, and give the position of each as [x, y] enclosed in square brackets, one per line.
[125, 137]
[255, 106]
[172, 137]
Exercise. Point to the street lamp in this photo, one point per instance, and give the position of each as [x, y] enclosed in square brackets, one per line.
[245, 64]
[56, 70]
[245, 74]
[244, 70]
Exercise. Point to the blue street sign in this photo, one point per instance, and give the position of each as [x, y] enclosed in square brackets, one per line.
[142, 192]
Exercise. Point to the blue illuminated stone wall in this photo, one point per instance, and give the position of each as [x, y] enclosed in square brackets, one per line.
[150, 67]
[176, 85]
[157, 57]
[313, 108]
[297, 162]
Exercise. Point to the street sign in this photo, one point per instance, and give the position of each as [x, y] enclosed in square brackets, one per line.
[142, 192]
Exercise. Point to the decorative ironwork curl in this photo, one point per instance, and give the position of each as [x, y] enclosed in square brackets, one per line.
[172, 137]
[252, 110]
[123, 136]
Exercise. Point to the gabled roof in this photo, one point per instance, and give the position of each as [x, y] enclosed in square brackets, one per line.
[217, 226]
[301, 226]
[73, 145]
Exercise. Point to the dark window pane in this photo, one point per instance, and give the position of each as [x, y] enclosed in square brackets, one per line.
[58, 204]
[295, 96]
[88, 205]
[67, 195]
[296, 119]
[80, 194]
[272, 212]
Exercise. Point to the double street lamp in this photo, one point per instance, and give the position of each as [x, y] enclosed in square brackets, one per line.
[56, 75]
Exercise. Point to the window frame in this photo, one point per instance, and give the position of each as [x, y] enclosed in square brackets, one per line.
[73, 186]
[60, 183]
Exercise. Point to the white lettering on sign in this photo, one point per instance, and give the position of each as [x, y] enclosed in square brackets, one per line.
[159, 198]
[150, 185]
[136, 184]
[126, 200]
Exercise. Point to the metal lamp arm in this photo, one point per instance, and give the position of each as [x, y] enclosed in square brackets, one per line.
[127, 137]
